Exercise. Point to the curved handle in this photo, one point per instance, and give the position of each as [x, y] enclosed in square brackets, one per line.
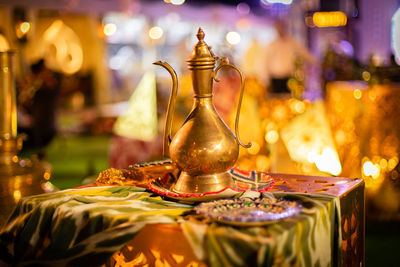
[171, 107]
[225, 63]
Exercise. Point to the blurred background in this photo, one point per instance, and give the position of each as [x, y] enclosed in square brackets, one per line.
[321, 93]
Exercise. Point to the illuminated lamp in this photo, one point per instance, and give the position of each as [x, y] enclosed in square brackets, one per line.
[140, 120]
[329, 19]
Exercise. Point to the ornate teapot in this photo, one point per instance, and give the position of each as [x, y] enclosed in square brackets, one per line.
[204, 148]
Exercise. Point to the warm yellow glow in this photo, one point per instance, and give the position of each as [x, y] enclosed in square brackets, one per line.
[372, 95]
[370, 169]
[15, 159]
[140, 120]
[383, 163]
[109, 29]
[177, 2]
[254, 149]
[233, 38]
[392, 163]
[366, 75]
[68, 56]
[357, 94]
[272, 136]
[328, 161]
[262, 163]
[156, 33]
[297, 106]
[329, 19]
[4, 46]
[17, 195]
[47, 175]
[167, 1]
[271, 126]
[24, 27]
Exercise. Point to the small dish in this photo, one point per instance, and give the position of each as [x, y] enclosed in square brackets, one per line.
[243, 181]
[249, 212]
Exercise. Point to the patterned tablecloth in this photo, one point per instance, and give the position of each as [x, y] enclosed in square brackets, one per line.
[85, 227]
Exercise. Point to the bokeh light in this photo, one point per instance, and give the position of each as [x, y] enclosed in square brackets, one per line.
[329, 19]
[177, 2]
[156, 33]
[357, 94]
[109, 29]
[233, 38]
[243, 8]
[25, 27]
[284, 2]
[254, 149]
[271, 137]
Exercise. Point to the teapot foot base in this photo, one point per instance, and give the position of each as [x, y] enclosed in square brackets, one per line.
[189, 184]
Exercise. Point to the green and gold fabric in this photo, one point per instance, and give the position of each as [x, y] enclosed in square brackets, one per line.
[85, 227]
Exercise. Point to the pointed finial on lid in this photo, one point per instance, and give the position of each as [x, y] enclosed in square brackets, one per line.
[200, 35]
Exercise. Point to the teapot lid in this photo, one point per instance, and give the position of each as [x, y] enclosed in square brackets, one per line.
[202, 57]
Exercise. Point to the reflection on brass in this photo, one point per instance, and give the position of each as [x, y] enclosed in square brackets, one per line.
[204, 148]
[18, 177]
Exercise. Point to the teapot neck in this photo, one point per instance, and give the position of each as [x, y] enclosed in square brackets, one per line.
[202, 82]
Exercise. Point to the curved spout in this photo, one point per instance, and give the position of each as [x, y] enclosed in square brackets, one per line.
[171, 107]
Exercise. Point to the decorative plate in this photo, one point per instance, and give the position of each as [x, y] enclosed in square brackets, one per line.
[248, 212]
[243, 181]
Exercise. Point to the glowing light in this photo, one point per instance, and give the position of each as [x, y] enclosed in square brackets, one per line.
[109, 29]
[262, 163]
[47, 175]
[233, 38]
[272, 137]
[4, 46]
[177, 2]
[328, 162]
[15, 159]
[68, 50]
[156, 33]
[284, 2]
[24, 27]
[383, 163]
[167, 1]
[297, 105]
[357, 94]
[17, 195]
[140, 120]
[370, 169]
[366, 76]
[329, 19]
[254, 149]
[392, 163]
[372, 95]
[243, 8]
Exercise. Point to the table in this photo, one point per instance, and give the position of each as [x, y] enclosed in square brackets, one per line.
[77, 227]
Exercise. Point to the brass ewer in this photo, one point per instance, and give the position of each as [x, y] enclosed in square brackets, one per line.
[204, 148]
